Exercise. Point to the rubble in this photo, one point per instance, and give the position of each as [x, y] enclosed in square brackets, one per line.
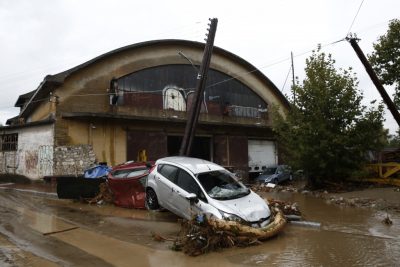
[104, 196]
[286, 207]
[276, 188]
[202, 235]
[331, 195]
[387, 220]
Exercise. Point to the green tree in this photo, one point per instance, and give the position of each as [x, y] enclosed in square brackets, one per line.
[385, 60]
[393, 140]
[327, 131]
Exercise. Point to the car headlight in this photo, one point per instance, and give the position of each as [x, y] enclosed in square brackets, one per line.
[231, 217]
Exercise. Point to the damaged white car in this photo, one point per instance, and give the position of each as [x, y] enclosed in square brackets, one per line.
[189, 186]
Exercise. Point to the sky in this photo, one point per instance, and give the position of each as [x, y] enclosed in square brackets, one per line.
[44, 37]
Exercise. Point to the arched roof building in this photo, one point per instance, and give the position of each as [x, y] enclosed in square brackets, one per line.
[136, 98]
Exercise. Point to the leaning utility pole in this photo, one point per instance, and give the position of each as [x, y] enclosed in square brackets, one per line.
[194, 110]
[293, 80]
[388, 101]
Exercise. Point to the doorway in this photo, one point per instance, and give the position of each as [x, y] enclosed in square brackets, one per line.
[201, 147]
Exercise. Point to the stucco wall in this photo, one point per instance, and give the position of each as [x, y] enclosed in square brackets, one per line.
[108, 139]
[34, 156]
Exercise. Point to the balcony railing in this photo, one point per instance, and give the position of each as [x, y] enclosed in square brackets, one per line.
[174, 105]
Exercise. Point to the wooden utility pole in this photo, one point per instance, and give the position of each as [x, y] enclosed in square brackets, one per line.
[388, 101]
[293, 81]
[194, 111]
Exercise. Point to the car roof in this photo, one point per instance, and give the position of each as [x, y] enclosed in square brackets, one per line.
[194, 165]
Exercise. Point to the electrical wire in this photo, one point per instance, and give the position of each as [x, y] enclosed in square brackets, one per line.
[287, 76]
[354, 19]
[235, 75]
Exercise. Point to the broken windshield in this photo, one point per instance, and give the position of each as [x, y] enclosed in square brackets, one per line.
[221, 185]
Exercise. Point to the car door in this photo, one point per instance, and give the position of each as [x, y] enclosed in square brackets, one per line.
[186, 184]
[166, 179]
[285, 173]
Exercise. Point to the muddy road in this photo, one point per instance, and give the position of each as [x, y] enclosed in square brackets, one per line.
[37, 229]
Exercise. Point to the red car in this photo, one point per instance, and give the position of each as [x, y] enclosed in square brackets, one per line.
[127, 182]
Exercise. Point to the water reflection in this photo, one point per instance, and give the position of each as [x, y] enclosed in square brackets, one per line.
[43, 223]
[348, 237]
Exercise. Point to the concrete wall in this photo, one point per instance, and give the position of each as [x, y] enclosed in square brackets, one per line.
[108, 139]
[34, 156]
[45, 110]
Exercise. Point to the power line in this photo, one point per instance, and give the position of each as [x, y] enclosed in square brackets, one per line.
[351, 26]
[287, 76]
[195, 33]
[235, 76]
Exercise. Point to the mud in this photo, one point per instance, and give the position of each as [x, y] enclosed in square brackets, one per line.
[37, 229]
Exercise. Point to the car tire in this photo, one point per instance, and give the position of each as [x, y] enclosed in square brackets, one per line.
[151, 200]
[275, 181]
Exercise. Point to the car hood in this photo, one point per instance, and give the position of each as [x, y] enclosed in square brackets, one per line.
[251, 208]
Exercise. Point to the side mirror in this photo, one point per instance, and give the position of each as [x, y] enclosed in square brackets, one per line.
[192, 198]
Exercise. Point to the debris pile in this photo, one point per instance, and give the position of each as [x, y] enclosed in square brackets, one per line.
[104, 196]
[387, 220]
[277, 188]
[202, 235]
[353, 202]
[286, 207]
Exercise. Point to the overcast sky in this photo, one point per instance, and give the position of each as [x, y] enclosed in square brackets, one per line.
[46, 37]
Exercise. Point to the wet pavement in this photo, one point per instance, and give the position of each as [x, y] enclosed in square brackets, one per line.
[37, 229]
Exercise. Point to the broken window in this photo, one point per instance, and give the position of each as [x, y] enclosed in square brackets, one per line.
[9, 142]
[221, 185]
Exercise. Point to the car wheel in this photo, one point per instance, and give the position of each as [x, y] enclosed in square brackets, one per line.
[151, 200]
[275, 181]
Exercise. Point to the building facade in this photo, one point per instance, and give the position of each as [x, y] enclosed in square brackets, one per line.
[133, 102]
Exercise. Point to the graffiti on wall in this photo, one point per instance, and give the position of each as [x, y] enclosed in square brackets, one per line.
[9, 161]
[31, 161]
[45, 160]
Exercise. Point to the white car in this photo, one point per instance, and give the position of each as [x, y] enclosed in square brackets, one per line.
[190, 186]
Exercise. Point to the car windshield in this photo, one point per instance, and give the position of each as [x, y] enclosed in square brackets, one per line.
[269, 171]
[221, 185]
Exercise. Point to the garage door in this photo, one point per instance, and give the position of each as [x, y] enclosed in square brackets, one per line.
[262, 153]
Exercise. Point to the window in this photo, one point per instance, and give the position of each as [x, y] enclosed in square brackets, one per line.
[221, 185]
[9, 142]
[187, 183]
[129, 173]
[168, 171]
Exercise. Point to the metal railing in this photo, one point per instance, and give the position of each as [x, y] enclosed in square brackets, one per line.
[176, 100]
